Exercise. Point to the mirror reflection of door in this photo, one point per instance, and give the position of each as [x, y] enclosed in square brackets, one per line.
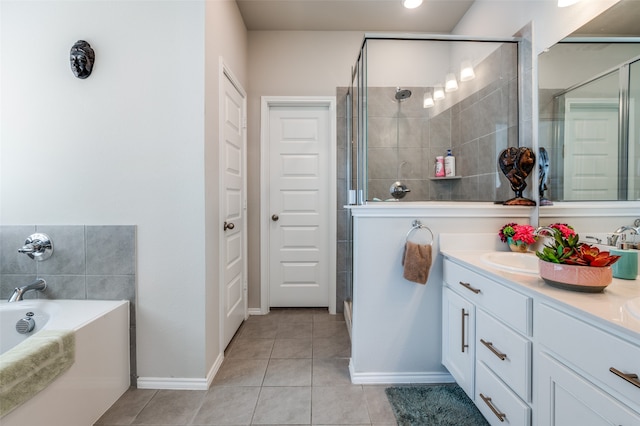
[591, 149]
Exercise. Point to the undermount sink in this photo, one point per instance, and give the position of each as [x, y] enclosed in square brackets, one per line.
[522, 263]
[633, 307]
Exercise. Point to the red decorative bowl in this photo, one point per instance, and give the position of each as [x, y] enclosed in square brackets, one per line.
[588, 279]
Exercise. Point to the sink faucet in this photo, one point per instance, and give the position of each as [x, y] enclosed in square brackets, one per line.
[18, 292]
[612, 240]
[551, 232]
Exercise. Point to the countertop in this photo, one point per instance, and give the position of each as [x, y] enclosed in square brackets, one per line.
[606, 308]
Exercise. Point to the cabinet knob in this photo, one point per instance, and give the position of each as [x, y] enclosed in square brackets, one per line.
[229, 225]
[275, 217]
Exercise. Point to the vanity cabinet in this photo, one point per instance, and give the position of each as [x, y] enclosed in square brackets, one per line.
[585, 375]
[487, 343]
[458, 337]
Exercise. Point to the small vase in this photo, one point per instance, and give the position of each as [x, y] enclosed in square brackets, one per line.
[517, 246]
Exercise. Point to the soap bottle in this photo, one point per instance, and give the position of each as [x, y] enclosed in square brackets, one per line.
[449, 164]
[439, 166]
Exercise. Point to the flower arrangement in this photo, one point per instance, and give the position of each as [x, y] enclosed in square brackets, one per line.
[567, 249]
[513, 233]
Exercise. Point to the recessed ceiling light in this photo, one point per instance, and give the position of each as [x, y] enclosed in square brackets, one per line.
[565, 3]
[411, 4]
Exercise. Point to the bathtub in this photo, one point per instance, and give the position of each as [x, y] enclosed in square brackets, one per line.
[98, 376]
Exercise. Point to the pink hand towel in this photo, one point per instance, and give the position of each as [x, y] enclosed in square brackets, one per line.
[416, 260]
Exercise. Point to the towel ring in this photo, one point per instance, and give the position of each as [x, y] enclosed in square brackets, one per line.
[417, 225]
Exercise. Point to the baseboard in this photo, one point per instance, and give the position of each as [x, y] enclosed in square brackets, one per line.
[214, 369]
[174, 383]
[398, 378]
[255, 311]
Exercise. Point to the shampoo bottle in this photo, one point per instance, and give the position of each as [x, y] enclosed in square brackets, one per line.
[449, 164]
[439, 166]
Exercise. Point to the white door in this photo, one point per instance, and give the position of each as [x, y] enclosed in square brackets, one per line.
[591, 150]
[300, 205]
[232, 208]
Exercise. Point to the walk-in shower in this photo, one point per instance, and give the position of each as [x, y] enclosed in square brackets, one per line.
[412, 98]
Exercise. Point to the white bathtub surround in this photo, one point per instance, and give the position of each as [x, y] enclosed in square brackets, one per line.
[100, 373]
[32, 365]
[92, 262]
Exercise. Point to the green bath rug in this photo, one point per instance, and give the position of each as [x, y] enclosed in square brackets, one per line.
[441, 405]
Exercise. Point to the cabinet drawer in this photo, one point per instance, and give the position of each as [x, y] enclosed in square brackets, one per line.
[494, 400]
[505, 352]
[592, 351]
[512, 307]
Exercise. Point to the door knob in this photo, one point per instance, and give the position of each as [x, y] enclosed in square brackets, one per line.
[229, 225]
[274, 217]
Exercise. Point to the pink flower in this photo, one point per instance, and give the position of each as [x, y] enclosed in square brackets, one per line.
[524, 233]
[564, 229]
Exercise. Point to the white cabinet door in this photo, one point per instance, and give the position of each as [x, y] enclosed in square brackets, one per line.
[458, 336]
[567, 399]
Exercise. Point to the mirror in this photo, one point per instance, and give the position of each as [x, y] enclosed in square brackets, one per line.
[589, 110]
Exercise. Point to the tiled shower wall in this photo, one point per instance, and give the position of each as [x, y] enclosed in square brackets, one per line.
[88, 262]
[476, 122]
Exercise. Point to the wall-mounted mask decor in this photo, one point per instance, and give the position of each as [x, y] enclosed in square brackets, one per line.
[517, 164]
[82, 58]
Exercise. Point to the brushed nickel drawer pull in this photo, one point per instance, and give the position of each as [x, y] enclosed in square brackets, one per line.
[464, 314]
[499, 415]
[468, 287]
[493, 349]
[631, 378]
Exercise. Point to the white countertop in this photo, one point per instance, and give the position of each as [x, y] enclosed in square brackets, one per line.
[606, 308]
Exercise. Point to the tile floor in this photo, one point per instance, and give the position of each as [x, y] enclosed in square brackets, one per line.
[289, 367]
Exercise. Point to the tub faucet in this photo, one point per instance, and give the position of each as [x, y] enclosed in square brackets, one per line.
[612, 240]
[18, 292]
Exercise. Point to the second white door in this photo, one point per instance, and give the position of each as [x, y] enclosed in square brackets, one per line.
[299, 205]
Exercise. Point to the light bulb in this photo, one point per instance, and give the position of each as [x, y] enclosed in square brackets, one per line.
[466, 71]
[438, 93]
[451, 84]
[411, 4]
[427, 100]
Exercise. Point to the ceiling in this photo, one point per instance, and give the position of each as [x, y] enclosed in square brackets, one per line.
[621, 20]
[434, 16]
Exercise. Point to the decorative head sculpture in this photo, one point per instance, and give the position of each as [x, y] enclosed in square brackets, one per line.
[517, 164]
[81, 58]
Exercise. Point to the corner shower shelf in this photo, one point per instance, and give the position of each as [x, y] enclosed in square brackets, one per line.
[446, 178]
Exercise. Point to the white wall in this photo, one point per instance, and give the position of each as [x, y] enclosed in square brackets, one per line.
[125, 146]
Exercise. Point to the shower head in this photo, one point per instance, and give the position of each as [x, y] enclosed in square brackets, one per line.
[402, 94]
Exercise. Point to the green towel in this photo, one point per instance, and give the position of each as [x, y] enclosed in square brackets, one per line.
[30, 366]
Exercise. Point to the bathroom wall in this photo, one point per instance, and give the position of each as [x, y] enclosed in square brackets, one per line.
[88, 262]
[135, 143]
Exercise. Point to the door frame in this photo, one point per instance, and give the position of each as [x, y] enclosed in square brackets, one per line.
[266, 103]
[224, 72]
